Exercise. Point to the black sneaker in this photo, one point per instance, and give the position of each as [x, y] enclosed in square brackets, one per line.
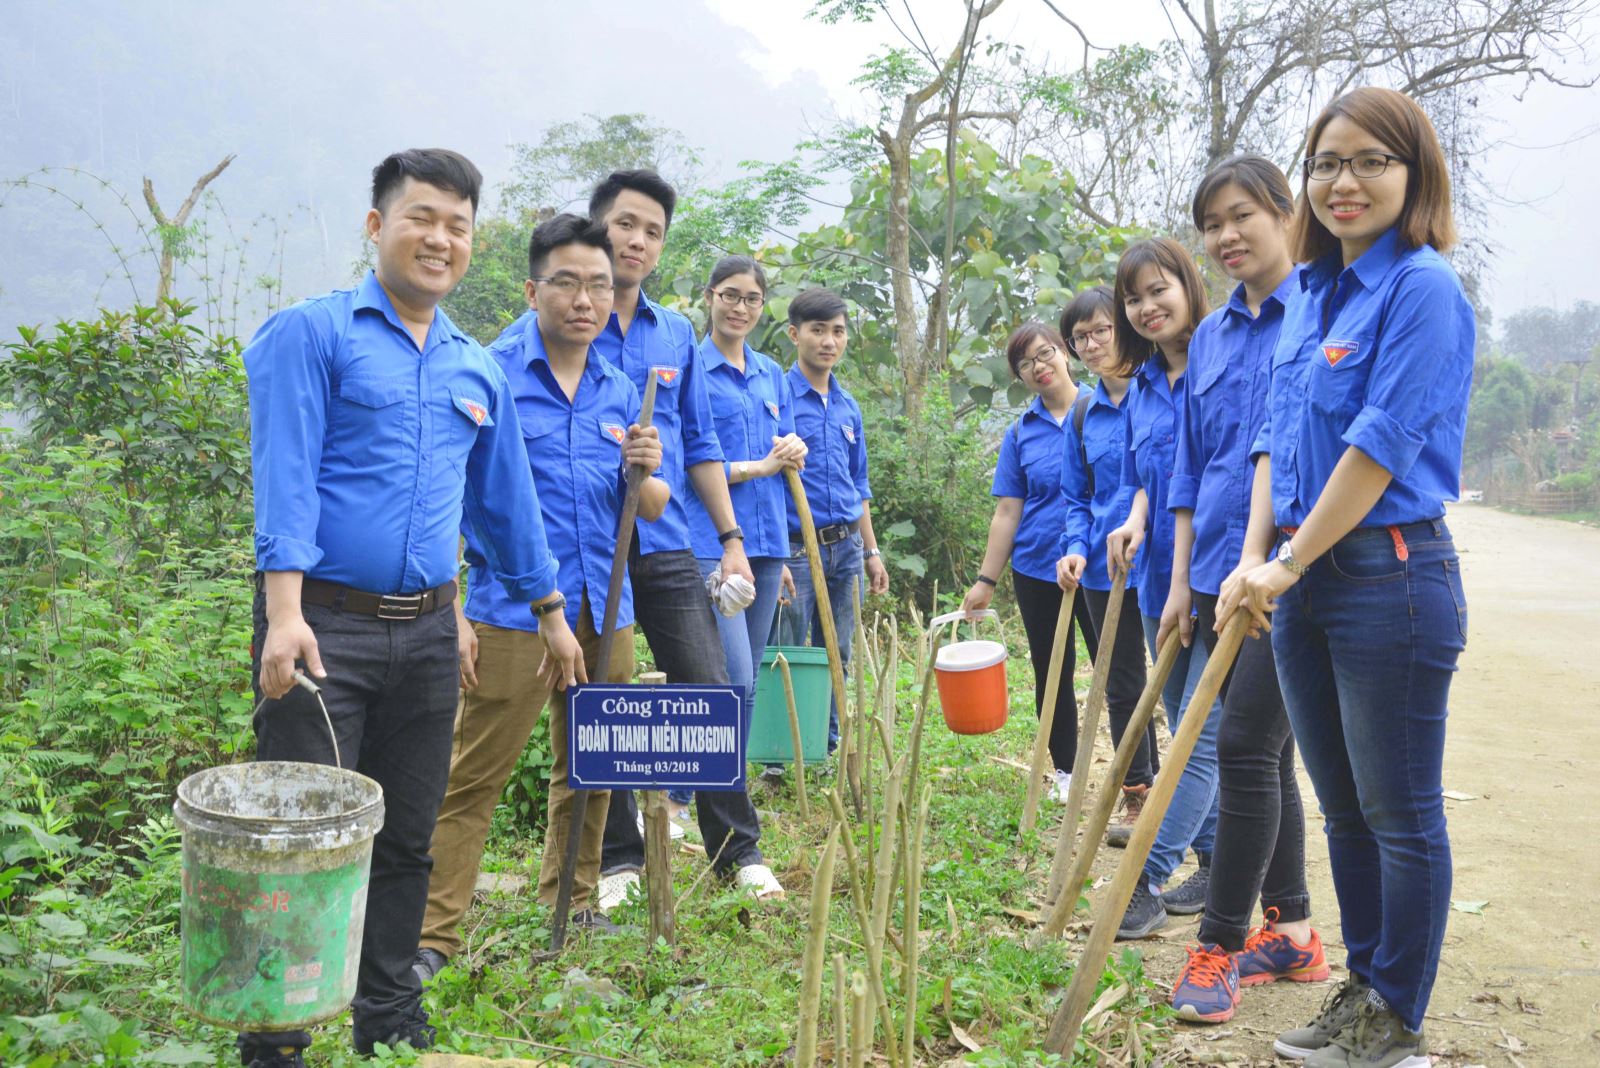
[276, 1050]
[1377, 1038]
[271, 1057]
[413, 1029]
[1145, 915]
[1189, 896]
[427, 964]
[591, 920]
[1338, 1012]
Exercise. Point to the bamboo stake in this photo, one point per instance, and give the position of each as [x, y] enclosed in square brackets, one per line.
[1068, 1020]
[1083, 855]
[816, 945]
[658, 852]
[888, 842]
[869, 939]
[781, 662]
[861, 1029]
[841, 1015]
[913, 922]
[1047, 711]
[1091, 722]
[858, 721]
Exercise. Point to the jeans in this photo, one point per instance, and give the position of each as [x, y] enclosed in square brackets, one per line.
[1261, 847]
[1039, 603]
[1126, 681]
[841, 569]
[1191, 820]
[391, 696]
[1366, 643]
[744, 636]
[671, 607]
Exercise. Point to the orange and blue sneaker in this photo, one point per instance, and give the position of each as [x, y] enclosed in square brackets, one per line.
[1270, 955]
[1207, 990]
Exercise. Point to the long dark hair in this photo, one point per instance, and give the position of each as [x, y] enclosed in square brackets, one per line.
[1173, 260]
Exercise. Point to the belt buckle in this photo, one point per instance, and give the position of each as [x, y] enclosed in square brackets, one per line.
[400, 606]
[830, 535]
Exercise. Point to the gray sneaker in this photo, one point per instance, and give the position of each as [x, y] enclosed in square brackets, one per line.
[427, 964]
[1338, 1012]
[1377, 1039]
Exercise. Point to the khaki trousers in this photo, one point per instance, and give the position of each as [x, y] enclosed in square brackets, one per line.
[493, 724]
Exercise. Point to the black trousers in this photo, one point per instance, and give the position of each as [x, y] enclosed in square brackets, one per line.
[1126, 681]
[1261, 837]
[1039, 604]
[671, 606]
[391, 694]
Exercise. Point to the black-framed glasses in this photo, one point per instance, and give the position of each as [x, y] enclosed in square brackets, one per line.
[1099, 335]
[1325, 166]
[733, 298]
[568, 286]
[1034, 362]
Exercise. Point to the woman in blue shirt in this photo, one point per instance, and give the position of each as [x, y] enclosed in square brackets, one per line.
[1160, 299]
[1028, 516]
[1366, 415]
[1242, 209]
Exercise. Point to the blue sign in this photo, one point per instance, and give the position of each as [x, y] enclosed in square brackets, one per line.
[655, 737]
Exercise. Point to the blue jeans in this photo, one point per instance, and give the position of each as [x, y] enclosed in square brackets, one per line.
[744, 637]
[1365, 645]
[1191, 820]
[841, 568]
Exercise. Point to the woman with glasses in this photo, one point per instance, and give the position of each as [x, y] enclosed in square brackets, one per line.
[1350, 555]
[755, 424]
[1028, 516]
[1097, 499]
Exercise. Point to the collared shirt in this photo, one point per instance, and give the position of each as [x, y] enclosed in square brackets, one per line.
[574, 449]
[1377, 355]
[661, 342]
[366, 450]
[1151, 410]
[1105, 435]
[1029, 468]
[1230, 362]
[750, 407]
[835, 475]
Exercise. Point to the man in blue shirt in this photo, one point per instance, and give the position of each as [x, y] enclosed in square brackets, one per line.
[375, 424]
[579, 423]
[829, 420]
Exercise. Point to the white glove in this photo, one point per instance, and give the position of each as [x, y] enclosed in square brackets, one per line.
[730, 597]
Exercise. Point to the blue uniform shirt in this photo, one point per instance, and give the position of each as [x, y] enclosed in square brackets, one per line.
[574, 449]
[835, 475]
[1151, 410]
[1377, 355]
[661, 342]
[1105, 434]
[366, 451]
[1030, 468]
[750, 409]
[1230, 361]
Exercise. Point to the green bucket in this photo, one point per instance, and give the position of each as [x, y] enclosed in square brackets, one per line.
[770, 739]
[275, 863]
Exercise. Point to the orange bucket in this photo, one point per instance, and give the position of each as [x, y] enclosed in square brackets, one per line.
[972, 679]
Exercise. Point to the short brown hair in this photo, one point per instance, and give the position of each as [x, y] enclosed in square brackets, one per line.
[1258, 176]
[1171, 259]
[1024, 336]
[1401, 124]
[1087, 305]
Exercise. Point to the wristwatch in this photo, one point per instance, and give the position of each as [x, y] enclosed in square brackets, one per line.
[872, 552]
[742, 469]
[1286, 558]
[557, 605]
[732, 532]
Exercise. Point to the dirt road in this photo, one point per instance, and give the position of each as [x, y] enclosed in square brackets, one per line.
[1520, 983]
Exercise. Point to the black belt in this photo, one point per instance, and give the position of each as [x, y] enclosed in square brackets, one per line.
[838, 532]
[394, 606]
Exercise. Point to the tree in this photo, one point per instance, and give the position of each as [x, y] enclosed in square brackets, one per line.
[174, 236]
[557, 173]
[1543, 338]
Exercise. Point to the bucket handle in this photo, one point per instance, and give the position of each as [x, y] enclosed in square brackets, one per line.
[957, 617]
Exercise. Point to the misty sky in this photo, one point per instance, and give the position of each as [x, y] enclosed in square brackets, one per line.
[311, 95]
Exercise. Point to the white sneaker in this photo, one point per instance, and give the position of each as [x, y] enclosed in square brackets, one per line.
[674, 828]
[1060, 786]
[759, 877]
[615, 889]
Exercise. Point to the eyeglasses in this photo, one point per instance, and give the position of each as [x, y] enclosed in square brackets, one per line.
[1032, 363]
[1325, 166]
[568, 286]
[1099, 335]
[733, 298]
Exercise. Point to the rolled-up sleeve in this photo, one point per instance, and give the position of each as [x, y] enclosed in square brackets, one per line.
[1075, 491]
[287, 365]
[1410, 386]
[502, 507]
[1009, 480]
[858, 456]
[700, 443]
[1130, 458]
[1183, 489]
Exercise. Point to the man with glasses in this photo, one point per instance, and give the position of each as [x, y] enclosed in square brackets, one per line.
[579, 423]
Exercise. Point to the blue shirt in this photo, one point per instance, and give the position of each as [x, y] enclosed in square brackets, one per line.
[835, 475]
[661, 342]
[1151, 410]
[1105, 435]
[574, 449]
[1230, 362]
[1377, 355]
[750, 408]
[366, 451]
[1030, 468]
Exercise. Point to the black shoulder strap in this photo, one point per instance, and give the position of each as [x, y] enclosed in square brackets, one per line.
[1080, 411]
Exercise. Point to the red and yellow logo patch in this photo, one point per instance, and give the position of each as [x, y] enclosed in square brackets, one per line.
[614, 432]
[666, 375]
[474, 409]
[1335, 351]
